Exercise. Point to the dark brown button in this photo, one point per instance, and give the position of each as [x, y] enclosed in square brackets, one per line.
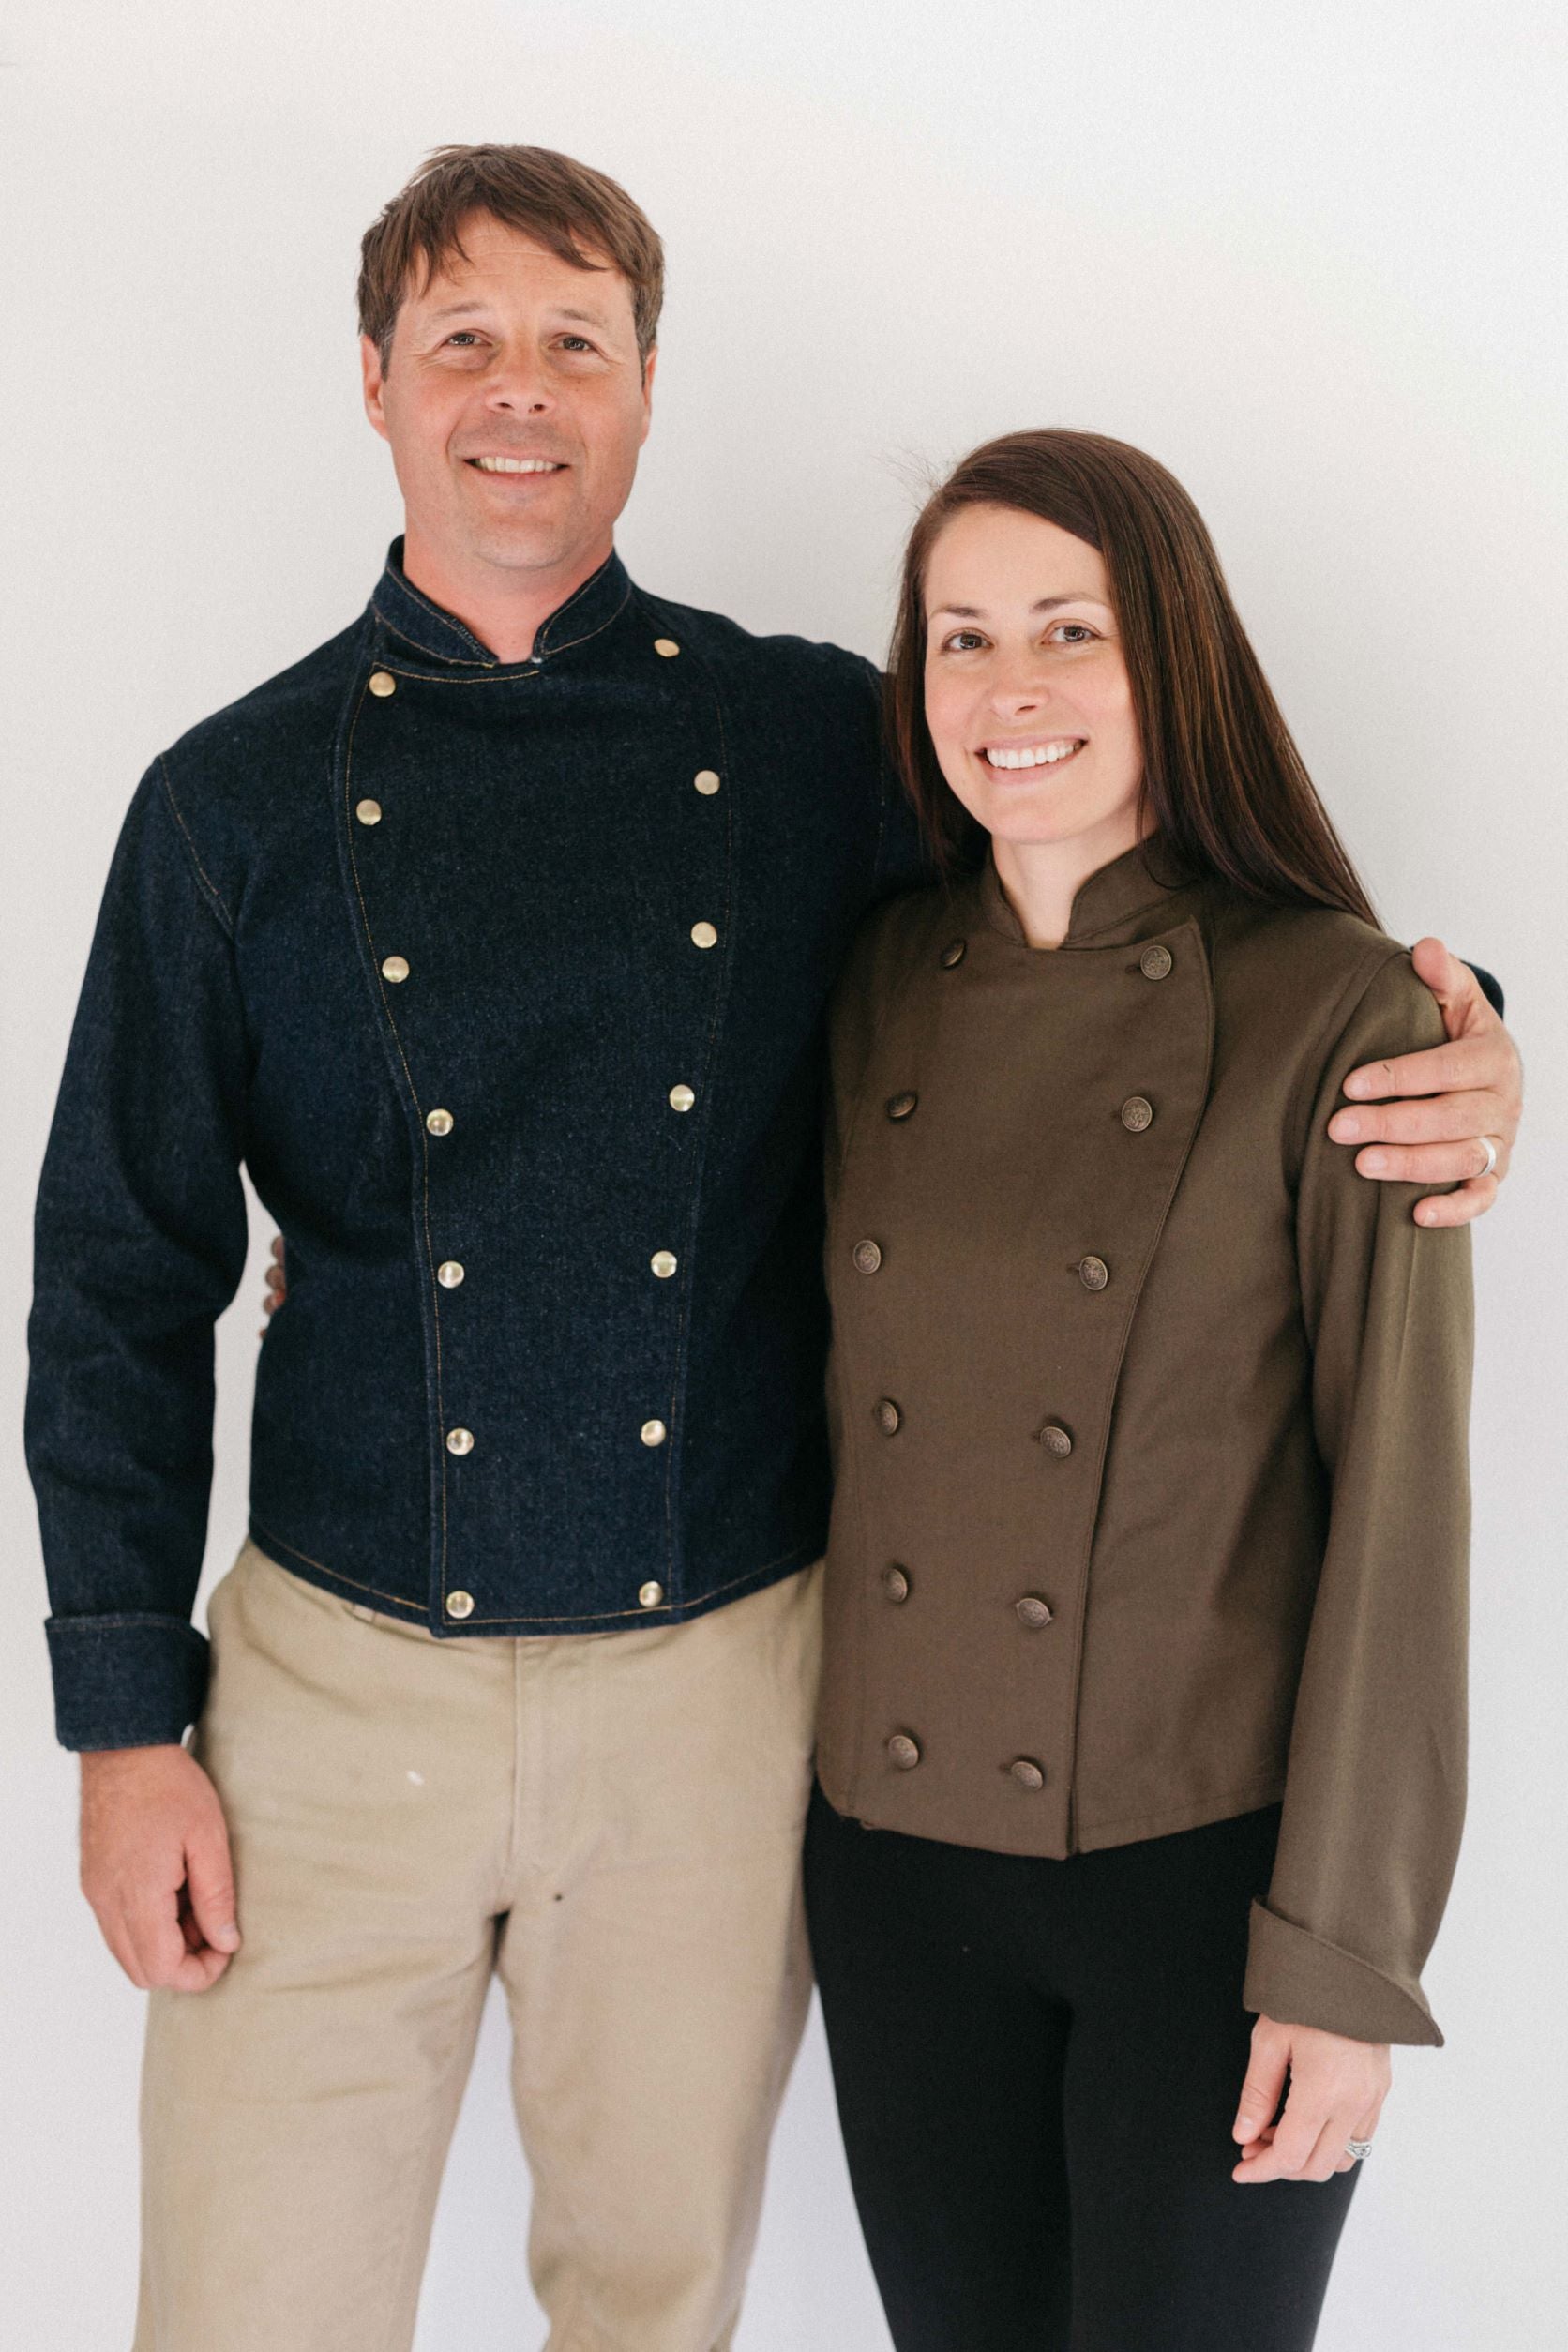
[1137, 1114]
[1056, 1441]
[955, 952]
[1093, 1272]
[1032, 1610]
[867, 1257]
[1154, 962]
[1027, 1773]
[887, 1416]
[900, 1106]
[895, 1584]
[903, 1752]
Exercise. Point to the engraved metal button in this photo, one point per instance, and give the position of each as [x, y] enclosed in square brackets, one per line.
[460, 1604]
[703, 935]
[667, 646]
[653, 1433]
[1093, 1272]
[900, 1106]
[650, 1595]
[663, 1263]
[1137, 1114]
[887, 1416]
[1056, 1441]
[382, 683]
[368, 812]
[1032, 1610]
[439, 1121]
[395, 967]
[706, 782]
[895, 1584]
[1154, 962]
[867, 1257]
[1027, 1773]
[955, 952]
[459, 1440]
[903, 1752]
[449, 1273]
[681, 1098]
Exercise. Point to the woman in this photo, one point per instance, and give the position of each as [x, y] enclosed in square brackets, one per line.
[1144, 1691]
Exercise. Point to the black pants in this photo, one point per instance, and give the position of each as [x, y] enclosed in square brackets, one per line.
[1037, 2066]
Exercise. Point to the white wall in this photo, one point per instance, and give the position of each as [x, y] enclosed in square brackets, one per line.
[1310, 256]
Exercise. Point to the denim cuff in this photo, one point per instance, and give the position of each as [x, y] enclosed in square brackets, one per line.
[126, 1680]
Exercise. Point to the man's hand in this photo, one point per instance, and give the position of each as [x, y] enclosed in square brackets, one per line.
[277, 1284]
[1338, 2088]
[155, 1866]
[1470, 1088]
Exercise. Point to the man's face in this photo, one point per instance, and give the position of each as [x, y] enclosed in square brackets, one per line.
[512, 359]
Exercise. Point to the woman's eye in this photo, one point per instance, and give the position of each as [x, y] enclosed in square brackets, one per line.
[962, 641]
[1073, 633]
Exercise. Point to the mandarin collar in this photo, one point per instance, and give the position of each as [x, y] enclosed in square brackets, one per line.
[1142, 880]
[400, 607]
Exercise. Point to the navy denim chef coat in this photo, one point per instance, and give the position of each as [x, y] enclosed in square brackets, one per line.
[504, 981]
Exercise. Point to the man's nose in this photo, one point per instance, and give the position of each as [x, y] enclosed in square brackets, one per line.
[518, 387]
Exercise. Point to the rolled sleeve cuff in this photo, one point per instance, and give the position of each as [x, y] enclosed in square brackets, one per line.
[125, 1681]
[1298, 1979]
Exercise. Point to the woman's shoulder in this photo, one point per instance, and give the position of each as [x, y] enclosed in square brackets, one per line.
[1311, 970]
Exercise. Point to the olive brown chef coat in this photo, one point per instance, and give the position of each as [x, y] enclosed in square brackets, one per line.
[1150, 1413]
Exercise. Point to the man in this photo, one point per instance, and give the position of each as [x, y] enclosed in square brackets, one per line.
[493, 939]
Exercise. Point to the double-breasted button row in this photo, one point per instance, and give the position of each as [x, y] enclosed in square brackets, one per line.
[1032, 1608]
[904, 1753]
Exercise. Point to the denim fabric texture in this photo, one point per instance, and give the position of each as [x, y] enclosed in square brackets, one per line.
[530, 841]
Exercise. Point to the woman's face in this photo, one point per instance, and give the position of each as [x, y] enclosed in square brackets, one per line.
[1027, 695]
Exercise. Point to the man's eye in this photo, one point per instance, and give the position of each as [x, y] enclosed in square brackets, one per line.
[579, 343]
[463, 335]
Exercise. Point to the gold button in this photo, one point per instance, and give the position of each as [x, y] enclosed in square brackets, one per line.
[681, 1098]
[903, 1751]
[1032, 1610]
[900, 1106]
[1154, 962]
[459, 1440]
[667, 646]
[1056, 1441]
[460, 1604]
[1093, 1272]
[653, 1433]
[663, 1262]
[383, 682]
[887, 1416]
[651, 1595]
[368, 813]
[706, 782]
[1137, 1114]
[867, 1257]
[449, 1273]
[1027, 1773]
[895, 1584]
[395, 967]
[439, 1121]
[703, 935]
[955, 952]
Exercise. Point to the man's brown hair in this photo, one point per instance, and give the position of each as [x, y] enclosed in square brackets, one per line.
[574, 212]
[1223, 780]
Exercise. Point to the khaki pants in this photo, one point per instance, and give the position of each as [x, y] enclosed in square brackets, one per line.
[609, 1821]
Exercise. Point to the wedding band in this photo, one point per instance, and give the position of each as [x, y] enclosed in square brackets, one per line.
[1491, 1155]
[1358, 2148]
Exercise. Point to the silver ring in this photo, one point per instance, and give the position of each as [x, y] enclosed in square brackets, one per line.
[1491, 1155]
[1358, 2148]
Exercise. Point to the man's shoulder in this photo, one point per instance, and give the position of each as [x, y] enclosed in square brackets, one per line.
[257, 738]
[745, 654]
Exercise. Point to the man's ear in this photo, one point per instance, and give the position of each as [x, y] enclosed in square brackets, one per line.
[648, 366]
[373, 375]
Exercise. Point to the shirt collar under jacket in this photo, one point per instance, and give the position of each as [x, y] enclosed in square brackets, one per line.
[424, 624]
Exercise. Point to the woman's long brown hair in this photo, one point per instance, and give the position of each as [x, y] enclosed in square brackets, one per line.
[1223, 780]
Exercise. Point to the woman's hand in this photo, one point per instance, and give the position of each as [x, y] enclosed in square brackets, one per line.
[1338, 2088]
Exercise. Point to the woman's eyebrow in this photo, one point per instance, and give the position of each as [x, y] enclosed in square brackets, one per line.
[1046, 604]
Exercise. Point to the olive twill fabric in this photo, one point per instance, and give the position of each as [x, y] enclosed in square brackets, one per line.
[1149, 1413]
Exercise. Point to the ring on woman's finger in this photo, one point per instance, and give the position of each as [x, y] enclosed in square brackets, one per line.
[1358, 2148]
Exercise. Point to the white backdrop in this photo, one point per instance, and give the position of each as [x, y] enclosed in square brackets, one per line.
[1312, 257]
